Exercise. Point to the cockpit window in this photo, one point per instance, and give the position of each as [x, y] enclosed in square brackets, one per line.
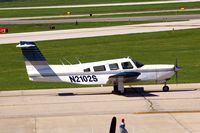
[87, 70]
[114, 66]
[138, 64]
[127, 65]
[99, 68]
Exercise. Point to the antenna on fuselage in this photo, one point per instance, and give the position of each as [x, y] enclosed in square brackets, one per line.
[62, 62]
[78, 60]
[68, 61]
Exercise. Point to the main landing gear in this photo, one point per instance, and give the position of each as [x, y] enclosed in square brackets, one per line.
[119, 89]
[165, 88]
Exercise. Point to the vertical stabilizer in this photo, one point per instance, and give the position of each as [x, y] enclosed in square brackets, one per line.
[37, 66]
[31, 53]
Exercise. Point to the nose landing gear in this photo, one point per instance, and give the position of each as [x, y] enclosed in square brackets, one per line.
[165, 88]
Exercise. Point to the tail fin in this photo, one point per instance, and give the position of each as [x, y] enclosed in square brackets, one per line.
[31, 53]
[37, 66]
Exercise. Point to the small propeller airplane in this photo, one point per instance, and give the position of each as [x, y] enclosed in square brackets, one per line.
[116, 72]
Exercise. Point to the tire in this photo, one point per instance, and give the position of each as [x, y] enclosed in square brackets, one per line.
[165, 88]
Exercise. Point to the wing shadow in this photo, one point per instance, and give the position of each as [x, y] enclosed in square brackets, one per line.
[85, 94]
[138, 92]
[130, 92]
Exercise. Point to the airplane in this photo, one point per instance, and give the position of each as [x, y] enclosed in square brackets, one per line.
[116, 72]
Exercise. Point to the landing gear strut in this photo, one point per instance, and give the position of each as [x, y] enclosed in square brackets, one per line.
[119, 88]
[165, 88]
[115, 89]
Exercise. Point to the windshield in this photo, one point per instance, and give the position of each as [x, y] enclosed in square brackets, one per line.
[138, 64]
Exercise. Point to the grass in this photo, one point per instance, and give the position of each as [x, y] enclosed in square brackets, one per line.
[45, 27]
[93, 10]
[24, 3]
[149, 48]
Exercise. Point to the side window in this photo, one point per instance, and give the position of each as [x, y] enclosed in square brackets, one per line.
[99, 68]
[127, 65]
[114, 66]
[87, 70]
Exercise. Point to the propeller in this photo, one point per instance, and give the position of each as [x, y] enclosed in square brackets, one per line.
[176, 69]
[113, 125]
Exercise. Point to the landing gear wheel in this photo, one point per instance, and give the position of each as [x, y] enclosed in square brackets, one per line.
[165, 88]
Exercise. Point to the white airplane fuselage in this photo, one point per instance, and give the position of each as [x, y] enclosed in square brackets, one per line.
[75, 73]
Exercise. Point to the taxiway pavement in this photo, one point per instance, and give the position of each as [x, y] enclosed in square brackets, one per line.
[90, 110]
[94, 32]
[104, 19]
[19, 20]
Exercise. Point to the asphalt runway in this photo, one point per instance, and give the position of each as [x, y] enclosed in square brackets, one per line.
[94, 32]
[106, 14]
[102, 5]
[89, 110]
[106, 19]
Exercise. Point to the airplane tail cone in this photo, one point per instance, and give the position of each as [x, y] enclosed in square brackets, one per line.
[113, 125]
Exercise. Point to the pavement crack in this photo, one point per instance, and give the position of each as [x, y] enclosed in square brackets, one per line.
[180, 123]
[35, 124]
[152, 109]
[151, 105]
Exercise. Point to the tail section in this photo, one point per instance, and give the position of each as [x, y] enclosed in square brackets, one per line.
[37, 66]
[31, 53]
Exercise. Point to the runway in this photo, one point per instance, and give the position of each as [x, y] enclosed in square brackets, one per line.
[90, 110]
[74, 18]
[105, 19]
[94, 32]
[101, 5]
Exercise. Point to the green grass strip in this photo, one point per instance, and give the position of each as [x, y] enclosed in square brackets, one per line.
[93, 10]
[63, 26]
[24, 3]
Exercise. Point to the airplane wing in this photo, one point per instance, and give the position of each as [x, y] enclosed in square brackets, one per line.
[124, 76]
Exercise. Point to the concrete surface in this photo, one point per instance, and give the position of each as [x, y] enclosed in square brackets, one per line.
[94, 32]
[99, 14]
[90, 110]
[105, 19]
[102, 5]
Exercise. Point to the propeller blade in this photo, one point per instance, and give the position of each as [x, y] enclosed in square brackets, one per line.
[176, 69]
[113, 125]
[176, 76]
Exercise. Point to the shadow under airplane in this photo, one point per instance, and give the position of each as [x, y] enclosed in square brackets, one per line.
[129, 92]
